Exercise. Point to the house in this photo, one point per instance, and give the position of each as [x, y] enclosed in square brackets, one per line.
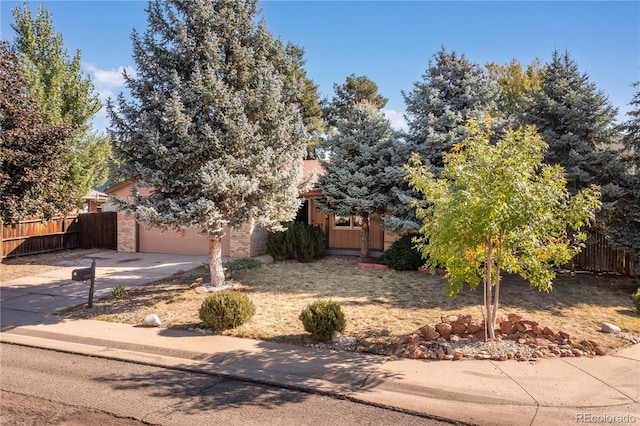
[93, 201]
[341, 232]
[251, 240]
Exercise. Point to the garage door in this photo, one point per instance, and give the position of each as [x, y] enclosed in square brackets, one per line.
[156, 241]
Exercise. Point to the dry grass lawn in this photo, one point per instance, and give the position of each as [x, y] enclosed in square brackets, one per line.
[380, 305]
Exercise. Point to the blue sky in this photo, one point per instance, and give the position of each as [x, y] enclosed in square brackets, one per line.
[391, 42]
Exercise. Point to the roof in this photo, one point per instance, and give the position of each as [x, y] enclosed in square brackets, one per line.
[311, 172]
[97, 196]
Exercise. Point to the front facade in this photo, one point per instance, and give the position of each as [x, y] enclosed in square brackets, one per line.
[248, 241]
[342, 233]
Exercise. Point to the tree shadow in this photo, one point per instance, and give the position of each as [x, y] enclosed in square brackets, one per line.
[215, 382]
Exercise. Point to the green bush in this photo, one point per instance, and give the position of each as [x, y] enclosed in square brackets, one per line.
[321, 318]
[636, 299]
[299, 241]
[118, 292]
[239, 265]
[402, 255]
[226, 309]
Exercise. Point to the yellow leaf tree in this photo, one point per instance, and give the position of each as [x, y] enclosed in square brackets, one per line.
[496, 208]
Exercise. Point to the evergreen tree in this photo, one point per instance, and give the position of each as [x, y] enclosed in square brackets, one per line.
[355, 182]
[452, 92]
[214, 127]
[623, 220]
[354, 90]
[32, 153]
[310, 107]
[578, 123]
[64, 96]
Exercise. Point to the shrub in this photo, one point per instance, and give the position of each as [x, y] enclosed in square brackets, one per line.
[402, 255]
[299, 241]
[118, 292]
[636, 299]
[225, 310]
[239, 265]
[244, 263]
[321, 318]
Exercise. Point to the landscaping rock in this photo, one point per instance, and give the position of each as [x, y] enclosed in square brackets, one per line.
[335, 336]
[429, 332]
[456, 338]
[610, 328]
[152, 320]
[444, 328]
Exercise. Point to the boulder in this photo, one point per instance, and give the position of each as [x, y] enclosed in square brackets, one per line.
[429, 332]
[514, 318]
[610, 328]
[152, 320]
[506, 327]
[444, 328]
[520, 327]
[473, 327]
[458, 328]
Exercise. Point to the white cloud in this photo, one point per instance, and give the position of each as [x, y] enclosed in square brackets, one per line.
[397, 119]
[109, 78]
[107, 84]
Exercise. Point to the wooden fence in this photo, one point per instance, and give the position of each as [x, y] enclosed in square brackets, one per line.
[599, 256]
[32, 236]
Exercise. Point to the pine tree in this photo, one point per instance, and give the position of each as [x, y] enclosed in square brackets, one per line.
[309, 101]
[355, 182]
[64, 94]
[354, 90]
[579, 124]
[452, 92]
[623, 220]
[214, 127]
[32, 153]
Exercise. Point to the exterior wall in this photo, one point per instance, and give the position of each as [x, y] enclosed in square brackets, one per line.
[155, 240]
[343, 238]
[127, 233]
[259, 241]
[390, 238]
[248, 241]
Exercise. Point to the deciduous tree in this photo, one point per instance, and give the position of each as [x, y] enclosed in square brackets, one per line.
[497, 209]
[213, 125]
[515, 83]
[32, 153]
[64, 95]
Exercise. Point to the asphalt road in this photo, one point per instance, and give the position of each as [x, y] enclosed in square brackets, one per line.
[46, 387]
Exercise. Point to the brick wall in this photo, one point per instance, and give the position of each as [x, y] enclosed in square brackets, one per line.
[127, 233]
[259, 241]
[248, 241]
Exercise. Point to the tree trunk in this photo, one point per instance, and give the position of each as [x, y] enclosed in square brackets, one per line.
[364, 237]
[490, 315]
[215, 262]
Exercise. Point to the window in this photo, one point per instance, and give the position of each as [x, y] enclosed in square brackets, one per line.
[347, 222]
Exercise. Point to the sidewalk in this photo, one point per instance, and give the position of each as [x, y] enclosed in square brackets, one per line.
[550, 392]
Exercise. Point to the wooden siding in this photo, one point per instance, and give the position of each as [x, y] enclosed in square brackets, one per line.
[33, 236]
